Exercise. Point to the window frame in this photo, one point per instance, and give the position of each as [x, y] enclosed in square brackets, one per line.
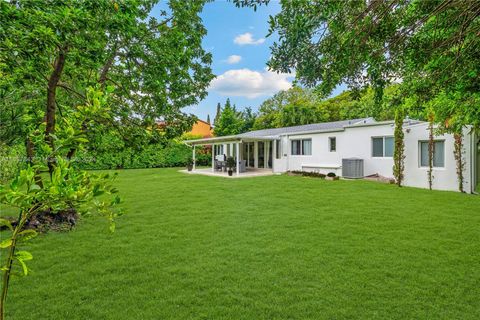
[330, 139]
[420, 154]
[383, 147]
[301, 147]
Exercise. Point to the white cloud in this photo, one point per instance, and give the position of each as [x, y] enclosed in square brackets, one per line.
[249, 83]
[247, 38]
[233, 59]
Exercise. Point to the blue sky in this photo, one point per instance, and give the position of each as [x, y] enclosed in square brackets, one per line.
[237, 40]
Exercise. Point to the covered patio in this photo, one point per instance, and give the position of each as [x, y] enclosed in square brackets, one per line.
[252, 156]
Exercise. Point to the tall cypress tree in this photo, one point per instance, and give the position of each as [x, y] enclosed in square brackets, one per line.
[219, 112]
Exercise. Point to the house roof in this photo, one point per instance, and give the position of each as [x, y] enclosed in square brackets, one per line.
[270, 134]
[322, 126]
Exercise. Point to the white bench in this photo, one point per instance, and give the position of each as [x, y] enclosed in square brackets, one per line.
[323, 168]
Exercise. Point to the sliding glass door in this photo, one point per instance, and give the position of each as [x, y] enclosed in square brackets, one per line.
[261, 154]
[249, 154]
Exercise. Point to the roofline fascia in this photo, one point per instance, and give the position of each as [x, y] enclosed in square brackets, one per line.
[311, 132]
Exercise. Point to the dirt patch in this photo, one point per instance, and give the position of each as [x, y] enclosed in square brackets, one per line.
[45, 221]
[378, 178]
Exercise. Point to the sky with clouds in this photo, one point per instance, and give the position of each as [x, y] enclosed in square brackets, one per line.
[237, 40]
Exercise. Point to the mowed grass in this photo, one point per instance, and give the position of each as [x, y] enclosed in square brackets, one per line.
[277, 247]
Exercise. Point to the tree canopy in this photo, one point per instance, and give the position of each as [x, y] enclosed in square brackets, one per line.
[431, 47]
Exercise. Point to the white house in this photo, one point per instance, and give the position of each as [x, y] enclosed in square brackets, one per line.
[323, 147]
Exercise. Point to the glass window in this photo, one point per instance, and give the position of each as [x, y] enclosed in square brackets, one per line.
[307, 147]
[438, 154]
[377, 147]
[302, 147]
[383, 147]
[389, 146]
[333, 144]
[423, 154]
[278, 150]
[296, 147]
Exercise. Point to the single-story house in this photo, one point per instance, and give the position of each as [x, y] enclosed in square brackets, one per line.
[351, 148]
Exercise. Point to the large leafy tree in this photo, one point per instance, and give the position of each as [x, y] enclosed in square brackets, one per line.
[431, 46]
[298, 106]
[70, 70]
[53, 52]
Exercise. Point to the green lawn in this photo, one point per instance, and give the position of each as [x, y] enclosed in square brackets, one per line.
[277, 247]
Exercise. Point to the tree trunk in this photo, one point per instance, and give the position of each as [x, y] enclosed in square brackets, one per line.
[51, 103]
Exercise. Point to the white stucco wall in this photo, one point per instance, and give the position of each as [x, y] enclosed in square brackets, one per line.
[357, 142]
[443, 178]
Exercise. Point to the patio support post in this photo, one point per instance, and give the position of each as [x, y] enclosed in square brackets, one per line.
[213, 158]
[237, 145]
[193, 156]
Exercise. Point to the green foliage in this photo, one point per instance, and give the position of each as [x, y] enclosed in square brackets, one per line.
[298, 106]
[67, 188]
[399, 150]
[431, 45]
[229, 121]
[12, 159]
[231, 163]
[112, 153]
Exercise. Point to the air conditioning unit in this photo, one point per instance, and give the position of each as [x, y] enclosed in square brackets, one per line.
[352, 168]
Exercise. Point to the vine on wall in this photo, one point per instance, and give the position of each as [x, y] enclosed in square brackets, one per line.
[399, 151]
[458, 152]
[431, 149]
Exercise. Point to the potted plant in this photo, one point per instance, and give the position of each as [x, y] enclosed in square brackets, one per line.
[230, 165]
[331, 176]
[189, 164]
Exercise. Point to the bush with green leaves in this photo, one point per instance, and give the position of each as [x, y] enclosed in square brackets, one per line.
[172, 153]
[68, 188]
[11, 161]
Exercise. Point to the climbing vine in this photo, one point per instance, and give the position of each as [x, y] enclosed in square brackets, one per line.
[458, 152]
[431, 149]
[399, 151]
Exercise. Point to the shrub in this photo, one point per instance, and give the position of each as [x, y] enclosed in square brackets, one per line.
[11, 161]
[172, 154]
[308, 174]
[331, 174]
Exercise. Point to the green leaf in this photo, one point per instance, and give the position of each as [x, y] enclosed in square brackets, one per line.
[5, 222]
[21, 257]
[6, 243]
[35, 187]
[28, 234]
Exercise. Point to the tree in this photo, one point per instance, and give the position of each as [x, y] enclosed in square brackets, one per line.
[71, 70]
[298, 106]
[247, 117]
[432, 46]
[218, 113]
[208, 118]
[229, 121]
